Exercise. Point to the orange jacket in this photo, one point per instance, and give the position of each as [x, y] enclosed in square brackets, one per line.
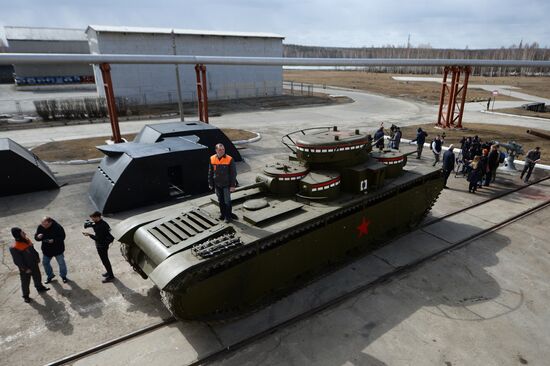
[222, 171]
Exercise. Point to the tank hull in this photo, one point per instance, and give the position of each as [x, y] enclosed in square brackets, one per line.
[325, 244]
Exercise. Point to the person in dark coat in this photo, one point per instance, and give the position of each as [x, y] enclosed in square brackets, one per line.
[532, 157]
[448, 164]
[52, 236]
[420, 140]
[475, 174]
[492, 162]
[103, 238]
[379, 138]
[26, 258]
[484, 162]
[222, 177]
[397, 139]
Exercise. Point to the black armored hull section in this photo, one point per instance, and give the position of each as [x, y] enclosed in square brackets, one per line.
[22, 171]
[207, 135]
[165, 161]
[135, 174]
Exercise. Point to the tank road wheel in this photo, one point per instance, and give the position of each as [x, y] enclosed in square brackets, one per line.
[125, 250]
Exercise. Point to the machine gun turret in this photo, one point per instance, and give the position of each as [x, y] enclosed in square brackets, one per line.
[513, 149]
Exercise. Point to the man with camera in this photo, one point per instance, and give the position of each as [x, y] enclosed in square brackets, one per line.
[103, 238]
[52, 236]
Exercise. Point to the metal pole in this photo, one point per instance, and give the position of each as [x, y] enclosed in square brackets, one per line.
[204, 93]
[64, 58]
[180, 101]
[440, 116]
[111, 105]
[199, 92]
[464, 90]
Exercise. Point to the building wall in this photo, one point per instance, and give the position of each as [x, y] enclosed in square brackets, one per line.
[43, 74]
[157, 83]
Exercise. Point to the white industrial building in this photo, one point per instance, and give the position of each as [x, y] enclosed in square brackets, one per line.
[49, 40]
[157, 83]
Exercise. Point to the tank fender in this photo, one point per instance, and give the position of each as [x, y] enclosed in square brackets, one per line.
[166, 274]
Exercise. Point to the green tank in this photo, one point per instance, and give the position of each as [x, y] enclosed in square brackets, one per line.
[331, 201]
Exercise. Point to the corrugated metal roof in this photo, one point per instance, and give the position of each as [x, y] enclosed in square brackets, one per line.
[44, 34]
[120, 29]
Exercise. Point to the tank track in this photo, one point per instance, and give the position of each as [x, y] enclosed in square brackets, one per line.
[171, 299]
[126, 254]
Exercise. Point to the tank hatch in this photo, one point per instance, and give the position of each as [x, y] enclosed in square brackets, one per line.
[283, 177]
[286, 171]
[320, 184]
[255, 204]
[181, 228]
[394, 161]
[332, 146]
[276, 209]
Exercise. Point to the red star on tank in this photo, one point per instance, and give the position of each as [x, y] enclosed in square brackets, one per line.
[363, 228]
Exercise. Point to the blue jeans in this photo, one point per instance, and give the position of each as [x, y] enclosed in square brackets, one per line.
[48, 268]
[224, 199]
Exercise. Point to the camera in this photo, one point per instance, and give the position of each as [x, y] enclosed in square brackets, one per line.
[88, 224]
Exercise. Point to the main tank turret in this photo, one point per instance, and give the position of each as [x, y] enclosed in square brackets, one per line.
[333, 199]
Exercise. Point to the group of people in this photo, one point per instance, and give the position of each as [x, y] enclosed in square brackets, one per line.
[52, 237]
[395, 137]
[222, 177]
[480, 161]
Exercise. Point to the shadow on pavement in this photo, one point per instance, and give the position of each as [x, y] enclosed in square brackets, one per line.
[83, 301]
[55, 315]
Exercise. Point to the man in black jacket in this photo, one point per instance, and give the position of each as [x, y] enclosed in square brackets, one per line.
[420, 140]
[103, 238]
[448, 164]
[26, 258]
[532, 157]
[52, 236]
[222, 176]
[492, 161]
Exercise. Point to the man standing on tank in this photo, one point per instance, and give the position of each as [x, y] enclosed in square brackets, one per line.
[222, 177]
[52, 236]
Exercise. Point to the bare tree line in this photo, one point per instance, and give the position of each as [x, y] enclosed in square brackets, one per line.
[515, 52]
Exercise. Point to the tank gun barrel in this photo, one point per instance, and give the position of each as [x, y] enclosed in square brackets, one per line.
[539, 134]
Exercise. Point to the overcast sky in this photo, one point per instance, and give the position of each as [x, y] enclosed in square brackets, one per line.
[342, 23]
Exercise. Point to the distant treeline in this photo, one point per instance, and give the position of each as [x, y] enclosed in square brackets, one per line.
[520, 52]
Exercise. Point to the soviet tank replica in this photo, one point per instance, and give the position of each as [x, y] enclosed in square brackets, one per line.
[332, 200]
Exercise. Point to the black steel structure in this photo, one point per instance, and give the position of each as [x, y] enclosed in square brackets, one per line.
[207, 134]
[22, 171]
[164, 161]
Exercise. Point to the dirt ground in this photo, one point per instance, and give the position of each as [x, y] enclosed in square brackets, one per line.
[383, 83]
[84, 149]
[486, 132]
